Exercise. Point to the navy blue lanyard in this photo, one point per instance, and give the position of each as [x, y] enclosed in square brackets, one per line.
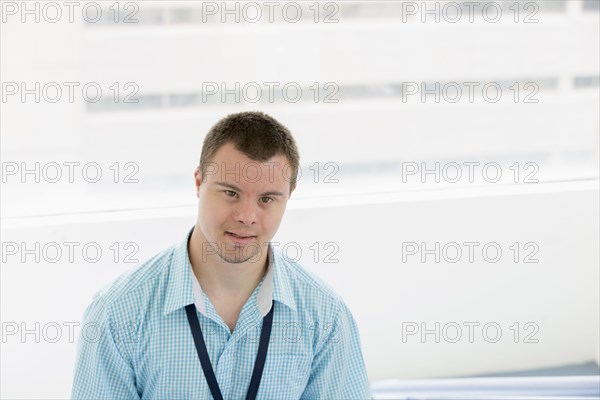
[209, 373]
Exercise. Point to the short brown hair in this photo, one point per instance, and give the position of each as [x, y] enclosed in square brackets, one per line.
[258, 135]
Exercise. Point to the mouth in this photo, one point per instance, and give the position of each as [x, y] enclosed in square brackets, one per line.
[239, 235]
[239, 238]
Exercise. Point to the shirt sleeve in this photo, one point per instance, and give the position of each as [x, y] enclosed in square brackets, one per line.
[102, 370]
[338, 370]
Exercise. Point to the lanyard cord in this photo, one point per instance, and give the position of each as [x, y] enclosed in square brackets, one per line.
[209, 373]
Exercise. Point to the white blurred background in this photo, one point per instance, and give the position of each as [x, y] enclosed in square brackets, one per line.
[171, 64]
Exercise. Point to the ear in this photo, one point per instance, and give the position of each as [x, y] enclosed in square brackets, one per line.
[197, 180]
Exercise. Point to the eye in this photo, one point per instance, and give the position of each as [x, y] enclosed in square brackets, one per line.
[230, 193]
[269, 199]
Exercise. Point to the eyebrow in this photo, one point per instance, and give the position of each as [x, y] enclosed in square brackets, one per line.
[230, 186]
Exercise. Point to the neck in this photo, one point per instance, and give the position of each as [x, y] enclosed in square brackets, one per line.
[223, 280]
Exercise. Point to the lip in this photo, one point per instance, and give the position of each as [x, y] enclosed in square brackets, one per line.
[241, 234]
[239, 240]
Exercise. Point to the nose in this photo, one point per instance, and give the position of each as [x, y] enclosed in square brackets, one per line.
[246, 212]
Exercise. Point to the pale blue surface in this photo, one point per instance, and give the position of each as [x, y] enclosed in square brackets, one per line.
[580, 381]
[488, 388]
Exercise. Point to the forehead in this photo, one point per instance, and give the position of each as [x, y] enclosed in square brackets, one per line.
[232, 166]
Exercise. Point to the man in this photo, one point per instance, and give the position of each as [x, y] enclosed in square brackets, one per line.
[224, 314]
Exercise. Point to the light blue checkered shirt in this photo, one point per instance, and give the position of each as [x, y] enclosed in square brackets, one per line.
[136, 342]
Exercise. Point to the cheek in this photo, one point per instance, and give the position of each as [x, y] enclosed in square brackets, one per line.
[211, 212]
[216, 213]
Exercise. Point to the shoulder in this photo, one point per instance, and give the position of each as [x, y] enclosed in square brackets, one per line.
[312, 295]
[318, 305]
[132, 291]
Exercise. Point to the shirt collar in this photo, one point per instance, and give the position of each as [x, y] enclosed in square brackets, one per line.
[183, 288]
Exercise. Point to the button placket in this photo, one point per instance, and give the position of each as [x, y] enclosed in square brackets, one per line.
[223, 371]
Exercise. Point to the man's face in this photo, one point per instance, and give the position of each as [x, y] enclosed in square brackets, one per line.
[241, 204]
